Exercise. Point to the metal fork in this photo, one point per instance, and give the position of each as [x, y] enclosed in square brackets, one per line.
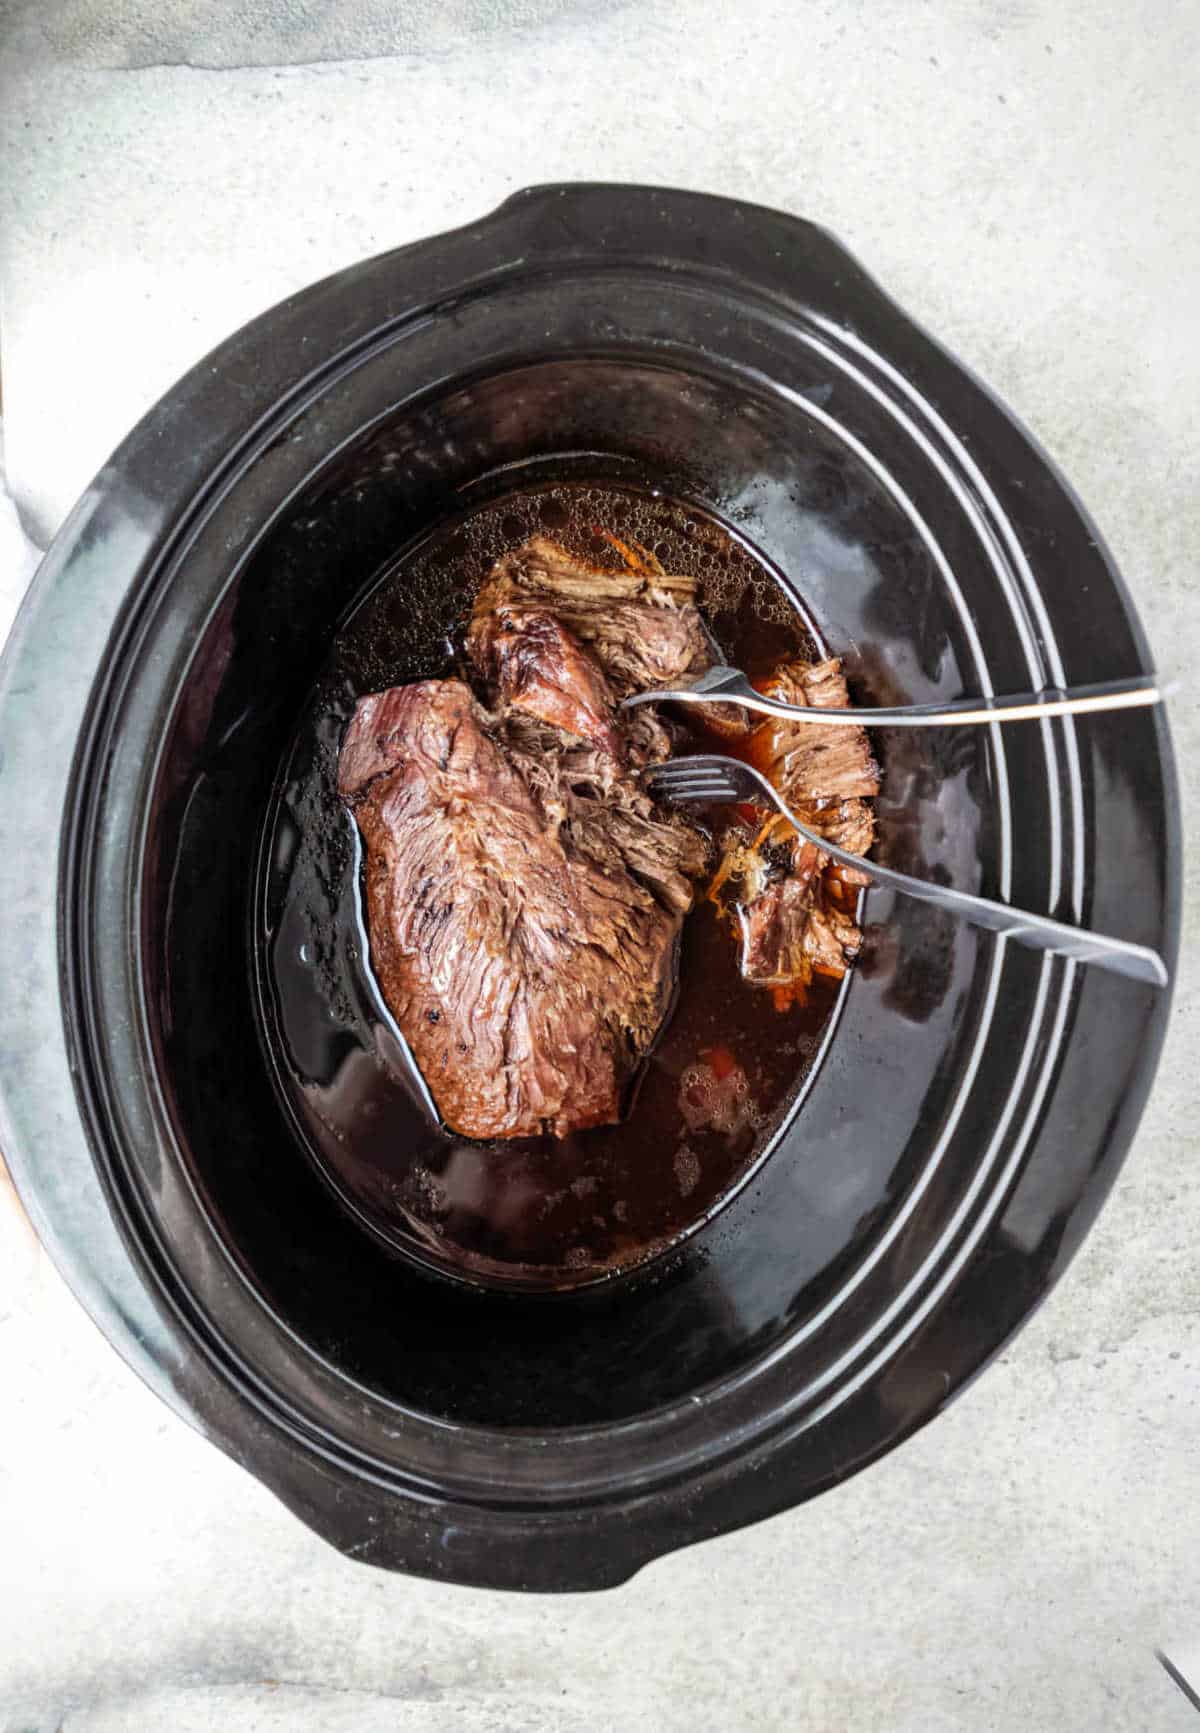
[726, 685]
[709, 780]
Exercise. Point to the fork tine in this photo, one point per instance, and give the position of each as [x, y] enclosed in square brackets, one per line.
[684, 772]
[690, 770]
[704, 787]
[677, 776]
[692, 790]
[710, 765]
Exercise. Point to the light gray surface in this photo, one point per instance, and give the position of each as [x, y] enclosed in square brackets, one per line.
[1024, 178]
[19, 556]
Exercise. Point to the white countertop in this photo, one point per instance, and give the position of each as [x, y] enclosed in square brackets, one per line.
[1022, 175]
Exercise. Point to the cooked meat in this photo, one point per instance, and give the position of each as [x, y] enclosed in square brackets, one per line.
[851, 825]
[642, 626]
[524, 896]
[792, 928]
[545, 565]
[538, 666]
[789, 911]
[825, 771]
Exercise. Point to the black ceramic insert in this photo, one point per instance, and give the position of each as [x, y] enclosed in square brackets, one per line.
[974, 1102]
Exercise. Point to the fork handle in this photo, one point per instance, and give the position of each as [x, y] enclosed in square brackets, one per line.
[1127, 694]
[1037, 932]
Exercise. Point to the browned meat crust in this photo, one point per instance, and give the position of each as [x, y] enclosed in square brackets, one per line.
[643, 627]
[524, 896]
[538, 666]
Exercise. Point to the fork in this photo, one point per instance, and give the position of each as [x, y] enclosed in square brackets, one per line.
[710, 780]
[724, 685]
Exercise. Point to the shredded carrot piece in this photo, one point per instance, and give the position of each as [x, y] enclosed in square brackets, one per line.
[639, 559]
[725, 871]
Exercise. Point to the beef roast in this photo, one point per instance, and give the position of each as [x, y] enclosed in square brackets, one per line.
[539, 667]
[793, 907]
[524, 896]
[642, 627]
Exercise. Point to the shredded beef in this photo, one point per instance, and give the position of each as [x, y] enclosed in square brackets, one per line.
[791, 913]
[524, 895]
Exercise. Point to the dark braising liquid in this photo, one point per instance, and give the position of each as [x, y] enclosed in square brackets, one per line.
[728, 1066]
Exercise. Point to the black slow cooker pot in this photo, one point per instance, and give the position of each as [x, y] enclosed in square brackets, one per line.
[974, 1101]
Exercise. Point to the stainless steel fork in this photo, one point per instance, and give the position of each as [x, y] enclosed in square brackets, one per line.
[709, 780]
[726, 685]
